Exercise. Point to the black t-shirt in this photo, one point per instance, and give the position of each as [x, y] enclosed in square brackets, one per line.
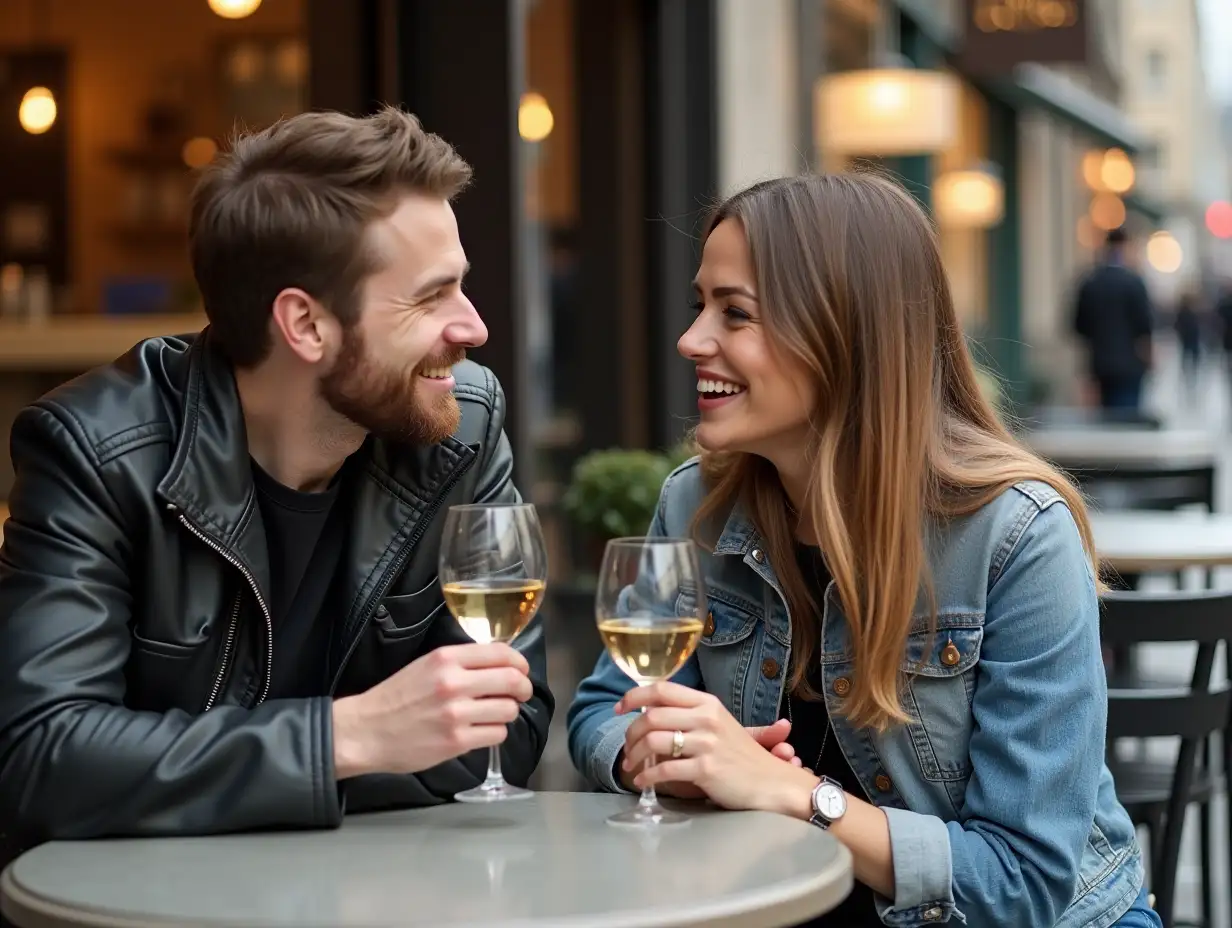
[818, 748]
[305, 536]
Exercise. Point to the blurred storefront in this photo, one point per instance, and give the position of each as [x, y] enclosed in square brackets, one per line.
[986, 110]
[585, 122]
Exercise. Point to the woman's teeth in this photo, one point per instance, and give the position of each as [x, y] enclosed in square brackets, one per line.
[718, 386]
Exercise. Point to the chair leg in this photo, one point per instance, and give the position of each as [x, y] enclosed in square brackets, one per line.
[1206, 812]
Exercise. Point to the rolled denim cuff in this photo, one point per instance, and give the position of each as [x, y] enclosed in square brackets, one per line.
[923, 872]
[609, 739]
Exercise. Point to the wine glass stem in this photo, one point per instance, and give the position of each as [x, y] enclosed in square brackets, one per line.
[650, 799]
[495, 777]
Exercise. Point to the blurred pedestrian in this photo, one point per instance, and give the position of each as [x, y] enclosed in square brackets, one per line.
[1188, 326]
[1113, 315]
[1223, 311]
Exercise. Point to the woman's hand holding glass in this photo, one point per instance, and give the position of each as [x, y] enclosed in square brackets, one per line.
[714, 752]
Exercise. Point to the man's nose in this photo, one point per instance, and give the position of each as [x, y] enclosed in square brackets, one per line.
[468, 330]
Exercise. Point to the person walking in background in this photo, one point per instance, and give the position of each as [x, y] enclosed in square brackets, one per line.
[1188, 326]
[1112, 314]
[1223, 310]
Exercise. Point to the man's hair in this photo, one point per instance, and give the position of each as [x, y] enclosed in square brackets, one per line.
[289, 206]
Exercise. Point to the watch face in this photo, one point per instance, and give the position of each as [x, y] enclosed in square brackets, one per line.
[831, 802]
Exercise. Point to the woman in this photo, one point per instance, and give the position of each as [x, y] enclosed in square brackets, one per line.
[887, 570]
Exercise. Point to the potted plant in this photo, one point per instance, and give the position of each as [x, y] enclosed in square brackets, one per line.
[613, 493]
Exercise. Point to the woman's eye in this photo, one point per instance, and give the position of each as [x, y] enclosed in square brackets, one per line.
[736, 315]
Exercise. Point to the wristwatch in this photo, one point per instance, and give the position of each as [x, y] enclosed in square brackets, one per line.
[829, 803]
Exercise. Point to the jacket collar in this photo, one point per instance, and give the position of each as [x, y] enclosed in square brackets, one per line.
[210, 480]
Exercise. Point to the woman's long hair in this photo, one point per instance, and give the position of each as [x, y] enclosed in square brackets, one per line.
[851, 284]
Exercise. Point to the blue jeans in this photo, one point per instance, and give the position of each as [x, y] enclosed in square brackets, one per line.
[1140, 915]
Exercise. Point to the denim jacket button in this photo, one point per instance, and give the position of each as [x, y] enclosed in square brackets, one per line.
[769, 668]
[842, 686]
[950, 655]
[933, 914]
[708, 628]
[882, 782]
[758, 556]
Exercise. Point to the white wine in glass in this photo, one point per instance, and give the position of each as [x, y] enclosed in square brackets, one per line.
[493, 573]
[637, 609]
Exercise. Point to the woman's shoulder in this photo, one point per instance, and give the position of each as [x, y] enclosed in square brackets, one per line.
[682, 493]
[986, 540]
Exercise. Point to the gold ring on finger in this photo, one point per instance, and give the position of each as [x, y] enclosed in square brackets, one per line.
[677, 743]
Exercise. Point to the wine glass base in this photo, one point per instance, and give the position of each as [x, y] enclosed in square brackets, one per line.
[503, 792]
[642, 817]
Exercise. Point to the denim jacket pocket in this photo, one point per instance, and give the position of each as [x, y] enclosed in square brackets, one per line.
[727, 643]
[939, 670]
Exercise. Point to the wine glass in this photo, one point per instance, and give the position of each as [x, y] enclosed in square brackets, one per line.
[647, 632]
[493, 572]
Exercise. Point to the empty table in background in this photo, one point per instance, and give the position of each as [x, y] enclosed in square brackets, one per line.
[1142, 542]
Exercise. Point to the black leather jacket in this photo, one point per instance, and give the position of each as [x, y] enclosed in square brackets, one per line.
[134, 634]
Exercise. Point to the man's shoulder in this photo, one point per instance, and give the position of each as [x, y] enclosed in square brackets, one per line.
[481, 400]
[135, 400]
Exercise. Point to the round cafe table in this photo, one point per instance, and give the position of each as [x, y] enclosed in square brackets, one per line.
[546, 861]
[1141, 542]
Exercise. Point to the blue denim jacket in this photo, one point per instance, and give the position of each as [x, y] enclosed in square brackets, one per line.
[1000, 807]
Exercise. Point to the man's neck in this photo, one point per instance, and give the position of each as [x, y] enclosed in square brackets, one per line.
[292, 435]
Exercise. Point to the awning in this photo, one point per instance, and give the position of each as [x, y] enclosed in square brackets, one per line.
[1033, 85]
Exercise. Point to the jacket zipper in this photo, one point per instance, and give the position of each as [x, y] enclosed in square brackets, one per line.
[230, 641]
[227, 646]
[424, 521]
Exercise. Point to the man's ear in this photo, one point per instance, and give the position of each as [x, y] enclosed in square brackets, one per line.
[307, 328]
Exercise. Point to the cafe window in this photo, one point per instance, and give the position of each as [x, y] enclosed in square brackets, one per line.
[93, 206]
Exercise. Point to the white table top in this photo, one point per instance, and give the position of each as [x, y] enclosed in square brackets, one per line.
[1142, 541]
[548, 861]
[1126, 447]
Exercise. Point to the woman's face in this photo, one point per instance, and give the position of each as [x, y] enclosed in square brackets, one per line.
[752, 397]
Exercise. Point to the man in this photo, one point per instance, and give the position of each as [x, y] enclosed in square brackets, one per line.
[1113, 315]
[219, 606]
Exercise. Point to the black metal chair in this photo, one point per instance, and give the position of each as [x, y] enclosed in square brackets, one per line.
[1157, 794]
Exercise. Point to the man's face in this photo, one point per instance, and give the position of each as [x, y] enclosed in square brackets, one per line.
[392, 373]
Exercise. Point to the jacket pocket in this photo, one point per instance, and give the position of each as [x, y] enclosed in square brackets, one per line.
[726, 647]
[407, 618]
[163, 675]
[939, 669]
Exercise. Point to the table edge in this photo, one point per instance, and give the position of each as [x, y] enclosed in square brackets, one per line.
[28, 909]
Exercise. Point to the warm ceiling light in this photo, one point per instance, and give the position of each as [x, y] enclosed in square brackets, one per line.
[973, 198]
[886, 111]
[1093, 169]
[1107, 211]
[37, 111]
[1164, 253]
[199, 152]
[535, 119]
[234, 9]
[1117, 171]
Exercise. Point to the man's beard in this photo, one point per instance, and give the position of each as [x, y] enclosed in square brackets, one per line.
[388, 403]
